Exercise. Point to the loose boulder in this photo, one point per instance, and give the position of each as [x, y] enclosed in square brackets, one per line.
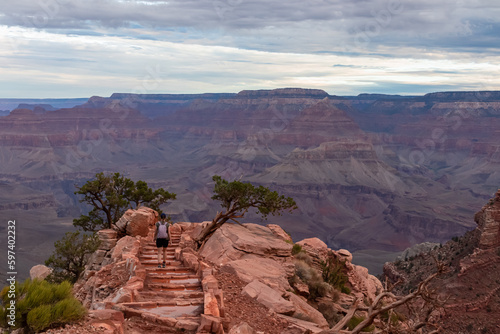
[242, 328]
[136, 222]
[40, 272]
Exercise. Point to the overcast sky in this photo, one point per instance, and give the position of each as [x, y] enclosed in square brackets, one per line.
[81, 48]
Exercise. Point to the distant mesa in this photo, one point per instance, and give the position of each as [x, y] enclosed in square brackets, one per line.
[285, 92]
[37, 108]
[480, 96]
[210, 96]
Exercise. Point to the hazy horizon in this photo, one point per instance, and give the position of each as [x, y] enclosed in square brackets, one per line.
[192, 93]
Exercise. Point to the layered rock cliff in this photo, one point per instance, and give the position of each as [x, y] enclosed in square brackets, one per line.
[355, 165]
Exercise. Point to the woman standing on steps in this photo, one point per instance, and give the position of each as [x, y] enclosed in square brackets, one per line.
[162, 236]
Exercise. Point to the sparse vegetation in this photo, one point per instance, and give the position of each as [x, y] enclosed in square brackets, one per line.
[296, 249]
[308, 275]
[40, 304]
[345, 289]
[328, 310]
[303, 256]
[355, 321]
[334, 273]
[423, 301]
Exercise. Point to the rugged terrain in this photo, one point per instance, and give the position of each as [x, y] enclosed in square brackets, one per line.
[471, 287]
[244, 276]
[373, 173]
[247, 278]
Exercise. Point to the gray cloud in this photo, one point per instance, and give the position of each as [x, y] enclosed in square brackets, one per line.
[341, 46]
[291, 26]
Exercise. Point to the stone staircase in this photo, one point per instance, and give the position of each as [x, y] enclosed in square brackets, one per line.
[172, 298]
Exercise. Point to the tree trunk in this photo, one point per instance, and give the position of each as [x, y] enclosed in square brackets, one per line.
[211, 227]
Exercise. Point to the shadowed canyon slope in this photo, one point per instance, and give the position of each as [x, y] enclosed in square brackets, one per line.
[374, 174]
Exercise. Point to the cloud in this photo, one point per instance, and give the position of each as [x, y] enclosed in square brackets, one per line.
[101, 65]
[297, 25]
[78, 48]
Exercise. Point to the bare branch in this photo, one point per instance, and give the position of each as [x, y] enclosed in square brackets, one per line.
[430, 301]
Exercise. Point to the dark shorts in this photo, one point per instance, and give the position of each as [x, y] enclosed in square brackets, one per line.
[162, 243]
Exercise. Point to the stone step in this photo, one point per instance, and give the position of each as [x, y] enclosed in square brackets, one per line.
[174, 286]
[154, 248]
[154, 267]
[172, 297]
[155, 251]
[154, 261]
[171, 242]
[174, 280]
[170, 258]
[171, 276]
[165, 319]
[150, 255]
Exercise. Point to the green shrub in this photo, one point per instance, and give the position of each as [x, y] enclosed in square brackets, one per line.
[345, 289]
[296, 249]
[63, 290]
[335, 273]
[39, 318]
[3, 317]
[395, 317]
[68, 310]
[40, 304]
[37, 293]
[355, 321]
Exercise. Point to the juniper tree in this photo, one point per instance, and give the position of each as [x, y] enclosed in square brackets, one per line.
[111, 195]
[237, 198]
[70, 256]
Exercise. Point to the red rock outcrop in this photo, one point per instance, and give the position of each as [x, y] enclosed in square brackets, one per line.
[136, 222]
[363, 284]
[488, 221]
[252, 251]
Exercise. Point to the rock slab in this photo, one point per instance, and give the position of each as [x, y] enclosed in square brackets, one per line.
[268, 297]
